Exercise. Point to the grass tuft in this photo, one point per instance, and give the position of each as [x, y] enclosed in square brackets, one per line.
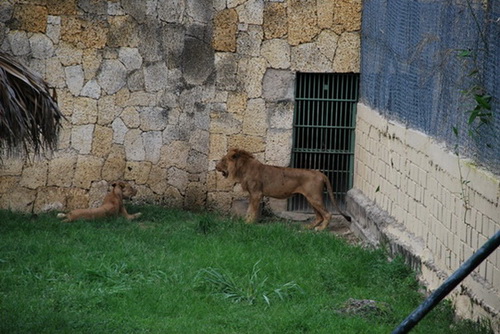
[247, 290]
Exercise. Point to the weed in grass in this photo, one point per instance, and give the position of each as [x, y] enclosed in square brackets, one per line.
[248, 290]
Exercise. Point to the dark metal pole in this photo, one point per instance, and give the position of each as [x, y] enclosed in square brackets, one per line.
[458, 276]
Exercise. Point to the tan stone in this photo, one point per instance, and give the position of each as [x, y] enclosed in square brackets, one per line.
[277, 53]
[158, 179]
[251, 12]
[327, 44]
[88, 169]
[103, 139]
[225, 29]
[68, 54]
[7, 183]
[251, 72]
[307, 58]
[246, 142]
[175, 155]
[115, 164]
[275, 20]
[131, 118]
[218, 146]
[196, 195]
[84, 111]
[91, 62]
[31, 18]
[302, 21]
[219, 201]
[64, 138]
[11, 166]
[138, 171]
[325, 13]
[97, 192]
[58, 7]
[178, 178]
[237, 103]
[173, 198]
[279, 146]
[225, 123]
[55, 75]
[142, 99]
[19, 199]
[123, 31]
[347, 16]
[83, 34]
[77, 198]
[107, 110]
[122, 97]
[255, 119]
[65, 100]
[61, 170]
[34, 175]
[49, 199]
[347, 58]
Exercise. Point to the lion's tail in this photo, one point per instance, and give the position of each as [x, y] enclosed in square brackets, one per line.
[332, 198]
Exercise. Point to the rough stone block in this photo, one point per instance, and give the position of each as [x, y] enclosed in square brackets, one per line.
[347, 15]
[249, 41]
[59, 8]
[302, 22]
[34, 175]
[218, 146]
[255, 121]
[31, 18]
[103, 139]
[157, 179]
[134, 145]
[175, 154]
[347, 56]
[248, 143]
[225, 30]
[137, 171]
[275, 20]
[177, 178]
[277, 53]
[83, 34]
[88, 169]
[153, 143]
[61, 170]
[308, 58]
[54, 198]
[114, 166]
[19, 199]
[278, 85]
[113, 76]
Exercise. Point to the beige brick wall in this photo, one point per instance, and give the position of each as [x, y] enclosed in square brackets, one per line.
[417, 182]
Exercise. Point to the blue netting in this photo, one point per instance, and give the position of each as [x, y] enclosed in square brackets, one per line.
[411, 70]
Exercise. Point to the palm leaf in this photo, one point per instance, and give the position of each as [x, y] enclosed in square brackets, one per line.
[30, 118]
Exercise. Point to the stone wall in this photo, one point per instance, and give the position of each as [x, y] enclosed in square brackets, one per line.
[156, 91]
[408, 195]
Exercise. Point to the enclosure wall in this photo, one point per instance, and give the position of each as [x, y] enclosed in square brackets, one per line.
[411, 194]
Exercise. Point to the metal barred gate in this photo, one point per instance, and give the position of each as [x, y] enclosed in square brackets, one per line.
[323, 130]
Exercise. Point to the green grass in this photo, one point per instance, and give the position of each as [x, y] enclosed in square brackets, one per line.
[173, 271]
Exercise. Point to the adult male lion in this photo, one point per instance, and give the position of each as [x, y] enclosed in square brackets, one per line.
[112, 205]
[278, 182]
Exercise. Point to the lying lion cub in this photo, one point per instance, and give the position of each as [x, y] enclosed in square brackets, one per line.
[278, 182]
[112, 205]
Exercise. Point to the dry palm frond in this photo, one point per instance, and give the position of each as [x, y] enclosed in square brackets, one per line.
[30, 118]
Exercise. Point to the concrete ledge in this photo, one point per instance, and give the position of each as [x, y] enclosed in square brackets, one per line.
[379, 229]
[376, 227]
